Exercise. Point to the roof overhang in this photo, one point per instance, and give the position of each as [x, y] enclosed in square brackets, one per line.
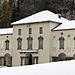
[35, 22]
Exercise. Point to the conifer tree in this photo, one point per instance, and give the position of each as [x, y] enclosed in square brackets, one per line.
[5, 15]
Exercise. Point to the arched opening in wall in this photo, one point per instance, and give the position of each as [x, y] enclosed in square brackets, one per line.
[7, 60]
[61, 57]
[28, 59]
[74, 57]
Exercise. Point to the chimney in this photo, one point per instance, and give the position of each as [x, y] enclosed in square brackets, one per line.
[59, 16]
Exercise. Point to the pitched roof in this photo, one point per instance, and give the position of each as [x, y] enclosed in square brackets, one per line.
[40, 17]
[66, 25]
[6, 31]
[54, 68]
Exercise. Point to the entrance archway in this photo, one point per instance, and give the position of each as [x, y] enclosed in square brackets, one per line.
[7, 60]
[61, 57]
[28, 59]
[74, 57]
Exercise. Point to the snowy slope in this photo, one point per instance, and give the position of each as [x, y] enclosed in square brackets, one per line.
[55, 68]
[40, 17]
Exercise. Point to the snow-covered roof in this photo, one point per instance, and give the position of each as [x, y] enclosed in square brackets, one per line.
[66, 25]
[55, 68]
[40, 17]
[6, 31]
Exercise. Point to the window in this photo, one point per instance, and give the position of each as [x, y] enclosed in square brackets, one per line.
[19, 41]
[19, 32]
[61, 42]
[29, 42]
[41, 30]
[40, 42]
[7, 44]
[61, 33]
[74, 42]
[0, 61]
[30, 30]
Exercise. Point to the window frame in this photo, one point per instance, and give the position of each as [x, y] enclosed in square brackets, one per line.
[40, 39]
[61, 42]
[74, 42]
[19, 43]
[7, 44]
[19, 31]
[30, 40]
[41, 30]
[30, 30]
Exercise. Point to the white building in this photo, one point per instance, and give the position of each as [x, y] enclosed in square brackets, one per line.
[40, 38]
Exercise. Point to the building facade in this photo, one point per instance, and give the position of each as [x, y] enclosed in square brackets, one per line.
[37, 39]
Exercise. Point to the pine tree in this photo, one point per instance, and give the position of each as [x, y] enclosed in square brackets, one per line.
[5, 15]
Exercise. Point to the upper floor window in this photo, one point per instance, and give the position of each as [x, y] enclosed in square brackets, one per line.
[19, 31]
[30, 30]
[19, 43]
[61, 42]
[40, 42]
[41, 30]
[7, 44]
[29, 42]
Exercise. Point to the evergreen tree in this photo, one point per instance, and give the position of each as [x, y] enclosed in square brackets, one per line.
[5, 14]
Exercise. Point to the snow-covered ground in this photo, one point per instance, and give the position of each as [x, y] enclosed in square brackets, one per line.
[54, 68]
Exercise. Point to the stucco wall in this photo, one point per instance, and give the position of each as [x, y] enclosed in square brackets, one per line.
[3, 51]
[68, 43]
[43, 54]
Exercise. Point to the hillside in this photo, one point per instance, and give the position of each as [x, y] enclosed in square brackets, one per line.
[23, 8]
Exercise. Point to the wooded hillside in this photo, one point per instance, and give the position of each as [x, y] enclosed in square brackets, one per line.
[12, 10]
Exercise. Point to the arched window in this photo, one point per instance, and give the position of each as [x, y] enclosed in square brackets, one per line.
[40, 42]
[7, 44]
[29, 42]
[61, 42]
[19, 43]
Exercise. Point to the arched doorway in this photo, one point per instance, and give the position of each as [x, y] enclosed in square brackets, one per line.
[7, 60]
[74, 57]
[61, 57]
[28, 59]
